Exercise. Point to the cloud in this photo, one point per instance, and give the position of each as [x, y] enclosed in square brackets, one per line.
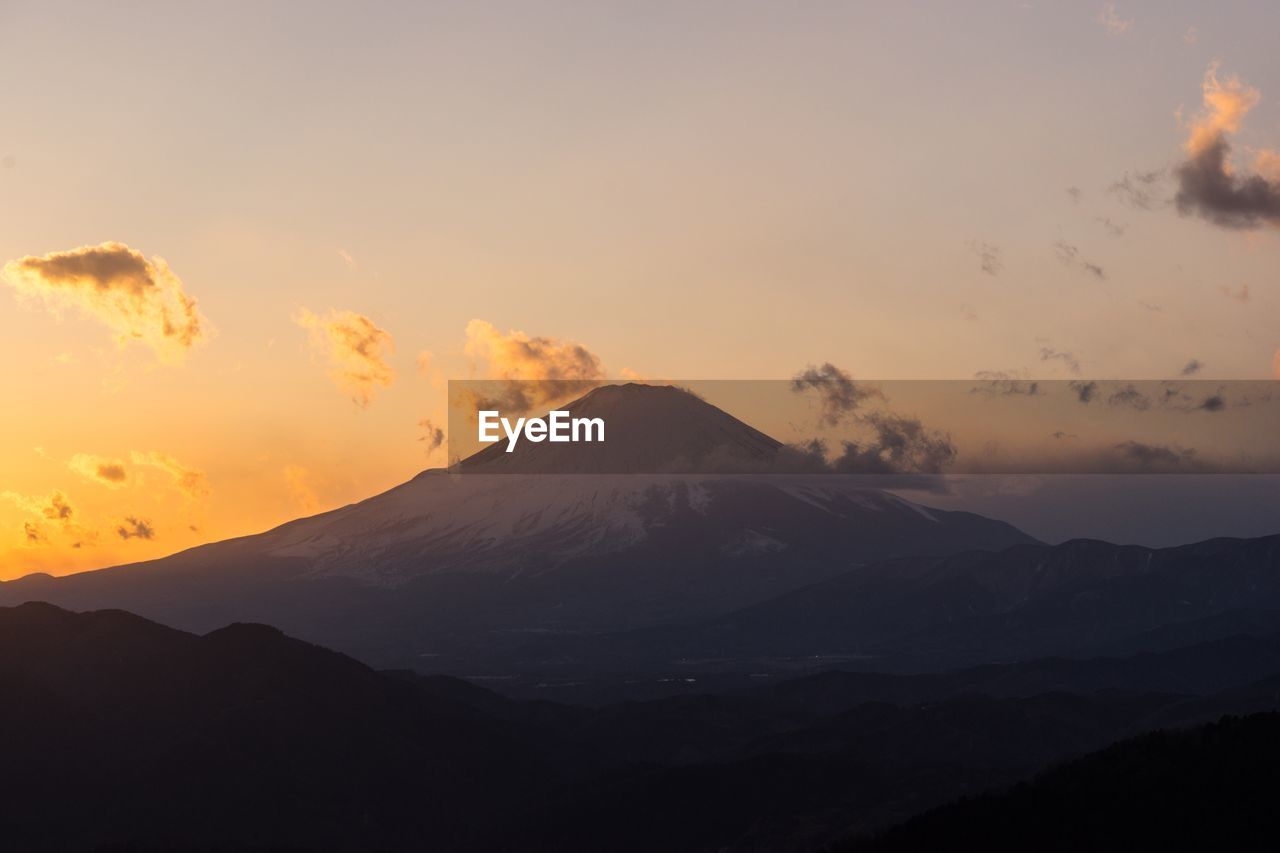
[1060, 435]
[1208, 185]
[347, 259]
[1240, 295]
[107, 472]
[1191, 36]
[561, 368]
[1067, 358]
[838, 394]
[1085, 391]
[1002, 383]
[1070, 256]
[1139, 190]
[1075, 194]
[423, 361]
[33, 534]
[1212, 403]
[1131, 397]
[1138, 457]
[139, 300]
[191, 482]
[1192, 367]
[1112, 228]
[356, 349]
[1112, 22]
[298, 481]
[132, 527]
[901, 445]
[56, 507]
[988, 257]
[432, 435]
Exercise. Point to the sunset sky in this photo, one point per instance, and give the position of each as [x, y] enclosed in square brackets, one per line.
[244, 247]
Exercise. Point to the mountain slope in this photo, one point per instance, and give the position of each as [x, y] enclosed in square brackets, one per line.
[1078, 598]
[454, 570]
[129, 735]
[1213, 787]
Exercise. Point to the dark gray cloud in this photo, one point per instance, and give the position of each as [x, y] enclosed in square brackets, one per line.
[838, 394]
[1140, 190]
[432, 435]
[1115, 229]
[33, 534]
[1003, 383]
[901, 445]
[1192, 367]
[988, 256]
[1212, 403]
[1228, 198]
[1085, 391]
[1136, 456]
[1069, 255]
[132, 527]
[1131, 397]
[1067, 358]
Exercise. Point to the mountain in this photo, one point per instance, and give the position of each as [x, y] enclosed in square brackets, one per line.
[1210, 788]
[452, 571]
[1077, 599]
[650, 429]
[128, 735]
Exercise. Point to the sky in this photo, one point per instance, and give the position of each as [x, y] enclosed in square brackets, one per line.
[245, 245]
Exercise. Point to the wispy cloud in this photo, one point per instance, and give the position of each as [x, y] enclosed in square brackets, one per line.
[432, 436]
[1112, 21]
[1239, 294]
[1069, 255]
[1068, 359]
[356, 349]
[190, 481]
[989, 260]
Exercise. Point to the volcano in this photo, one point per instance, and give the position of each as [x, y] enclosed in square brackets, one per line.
[456, 569]
[651, 429]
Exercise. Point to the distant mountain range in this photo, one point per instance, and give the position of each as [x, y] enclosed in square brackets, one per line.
[455, 571]
[591, 587]
[126, 735]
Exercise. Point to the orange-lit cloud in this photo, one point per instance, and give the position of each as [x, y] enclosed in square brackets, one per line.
[190, 481]
[356, 348]
[1225, 106]
[565, 367]
[139, 300]
[107, 472]
[1209, 185]
[56, 507]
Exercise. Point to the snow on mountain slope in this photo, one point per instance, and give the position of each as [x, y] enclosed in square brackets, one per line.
[443, 522]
